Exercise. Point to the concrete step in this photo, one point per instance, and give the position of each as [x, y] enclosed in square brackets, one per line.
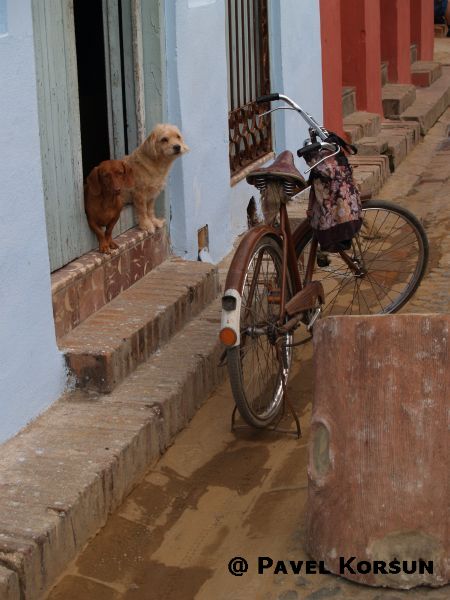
[112, 342]
[397, 97]
[362, 124]
[384, 72]
[424, 73]
[63, 475]
[430, 103]
[348, 101]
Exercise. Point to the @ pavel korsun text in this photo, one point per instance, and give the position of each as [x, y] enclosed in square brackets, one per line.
[346, 566]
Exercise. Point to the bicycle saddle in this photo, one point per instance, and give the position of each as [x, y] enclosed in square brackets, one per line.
[282, 168]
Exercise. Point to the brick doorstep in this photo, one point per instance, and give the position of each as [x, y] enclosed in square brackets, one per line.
[66, 472]
[112, 342]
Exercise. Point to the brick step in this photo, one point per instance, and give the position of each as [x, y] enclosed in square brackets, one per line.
[73, 466]
[401, 137]
[430, 103]
[348, 101]
[396, 139]
[397, 97]
[362, 124]
[440, 30]
[112, 342]
[424, 73]
[372, 145]
[384, 72]
[370, 173]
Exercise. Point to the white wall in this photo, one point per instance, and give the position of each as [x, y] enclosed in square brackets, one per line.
[32, 372]
[199, 190]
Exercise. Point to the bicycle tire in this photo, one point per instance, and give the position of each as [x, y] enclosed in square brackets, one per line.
[253, 366]
[393, 248]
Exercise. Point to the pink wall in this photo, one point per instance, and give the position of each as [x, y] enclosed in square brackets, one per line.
[330, 29]
[396, 39]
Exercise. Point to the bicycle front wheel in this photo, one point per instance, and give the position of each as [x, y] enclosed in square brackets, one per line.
[391, 252]
[258, 365]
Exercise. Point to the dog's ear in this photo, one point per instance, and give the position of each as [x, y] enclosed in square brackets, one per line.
[150, 145]
[128, 175]
[93, 182]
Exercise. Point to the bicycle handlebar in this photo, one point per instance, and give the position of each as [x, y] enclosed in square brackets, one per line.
[312, 123]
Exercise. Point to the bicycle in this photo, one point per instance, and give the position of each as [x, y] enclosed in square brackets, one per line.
[270, 290]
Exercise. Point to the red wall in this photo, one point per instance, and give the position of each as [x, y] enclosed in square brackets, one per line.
[361, 51]
[330, 29]
[422, 28]
[396, 39]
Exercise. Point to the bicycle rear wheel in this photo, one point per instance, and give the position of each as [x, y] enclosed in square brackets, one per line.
[392, 251]
[256, 367]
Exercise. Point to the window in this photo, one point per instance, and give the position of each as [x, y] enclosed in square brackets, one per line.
[3, 19]
[248, 77]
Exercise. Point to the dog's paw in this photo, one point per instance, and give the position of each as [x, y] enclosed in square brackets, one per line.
[147, 225]
[113, 245]
[104, 248]
[158, 223]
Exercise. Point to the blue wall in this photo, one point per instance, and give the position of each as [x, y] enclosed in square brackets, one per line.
[32, 373]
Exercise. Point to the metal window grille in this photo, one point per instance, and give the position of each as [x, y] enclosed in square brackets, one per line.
[248, 77]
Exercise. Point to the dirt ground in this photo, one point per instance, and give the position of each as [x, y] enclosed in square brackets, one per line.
[218, 494]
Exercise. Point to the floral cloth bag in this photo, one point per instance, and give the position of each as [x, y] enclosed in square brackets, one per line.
[334, 209]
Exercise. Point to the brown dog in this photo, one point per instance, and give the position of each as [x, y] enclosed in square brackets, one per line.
[104, 200]
[151, 163]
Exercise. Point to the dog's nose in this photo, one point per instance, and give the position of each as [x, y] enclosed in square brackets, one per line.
[117, 190]
[177, 148]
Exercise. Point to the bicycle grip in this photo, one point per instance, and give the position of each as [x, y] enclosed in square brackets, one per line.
[268, 98]
[309, 148]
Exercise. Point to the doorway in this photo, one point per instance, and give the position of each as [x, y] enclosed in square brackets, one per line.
[91, 66]
[103, 36]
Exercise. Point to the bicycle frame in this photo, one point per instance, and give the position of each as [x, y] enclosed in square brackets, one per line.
[236, 272]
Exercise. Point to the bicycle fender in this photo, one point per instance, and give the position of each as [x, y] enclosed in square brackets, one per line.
[236, 272]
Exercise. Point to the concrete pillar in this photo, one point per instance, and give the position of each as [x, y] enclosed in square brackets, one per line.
[361, 51]
[422, 27]
[330, 32]
[378, 472]
[396, 39]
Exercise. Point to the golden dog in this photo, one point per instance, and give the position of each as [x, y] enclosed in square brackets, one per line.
[151, 163]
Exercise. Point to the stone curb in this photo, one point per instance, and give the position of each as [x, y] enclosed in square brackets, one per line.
[66, 472]
[430, 102]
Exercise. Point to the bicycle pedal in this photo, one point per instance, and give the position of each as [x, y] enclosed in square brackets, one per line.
[323, 259]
